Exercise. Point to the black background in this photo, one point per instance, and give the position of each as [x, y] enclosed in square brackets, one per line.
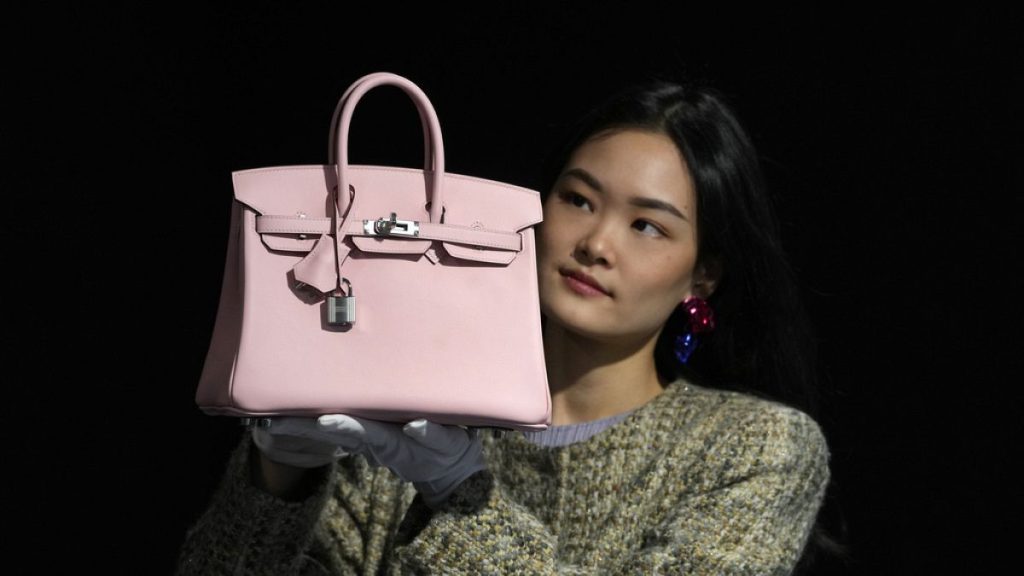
[889, 136]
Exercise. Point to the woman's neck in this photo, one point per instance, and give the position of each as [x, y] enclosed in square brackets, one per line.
[591, 379]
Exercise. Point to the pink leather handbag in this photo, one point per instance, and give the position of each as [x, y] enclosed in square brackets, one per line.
[382, 292]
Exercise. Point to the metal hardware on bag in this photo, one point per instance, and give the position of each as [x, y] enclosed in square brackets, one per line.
[391, 227]
[341, 307]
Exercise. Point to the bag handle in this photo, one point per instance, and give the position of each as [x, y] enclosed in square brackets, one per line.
[332, 141]
[329, 251]
[433, 145]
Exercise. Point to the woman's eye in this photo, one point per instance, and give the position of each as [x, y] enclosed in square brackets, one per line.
[647, 228]
[576, 200]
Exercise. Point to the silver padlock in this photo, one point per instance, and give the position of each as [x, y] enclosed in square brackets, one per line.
[341, 307]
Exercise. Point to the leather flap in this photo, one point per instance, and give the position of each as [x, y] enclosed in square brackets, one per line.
[298, 199]
[287, 190]
[390, 245]
[478, 254]
[288, 243]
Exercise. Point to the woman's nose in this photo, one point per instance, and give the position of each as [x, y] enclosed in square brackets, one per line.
[596, 246]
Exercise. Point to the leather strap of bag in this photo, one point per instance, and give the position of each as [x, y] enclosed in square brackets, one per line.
[433, 143]
[330, 246]
[498, 239]
[332, 142]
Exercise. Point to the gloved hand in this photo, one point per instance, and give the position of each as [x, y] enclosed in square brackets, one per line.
[295, 441]
[436, 458]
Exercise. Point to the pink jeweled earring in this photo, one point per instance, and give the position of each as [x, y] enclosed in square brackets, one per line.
[700, 319]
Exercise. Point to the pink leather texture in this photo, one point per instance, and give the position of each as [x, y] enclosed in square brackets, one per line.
[447, 323]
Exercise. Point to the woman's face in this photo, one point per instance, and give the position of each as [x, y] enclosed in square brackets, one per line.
[618, 244]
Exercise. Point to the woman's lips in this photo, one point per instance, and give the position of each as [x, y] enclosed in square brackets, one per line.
[583, 284]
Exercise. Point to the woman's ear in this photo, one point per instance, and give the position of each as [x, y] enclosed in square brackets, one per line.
[705, 278]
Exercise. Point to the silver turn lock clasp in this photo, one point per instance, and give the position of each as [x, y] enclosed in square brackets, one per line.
[391, 227]
[341, 307]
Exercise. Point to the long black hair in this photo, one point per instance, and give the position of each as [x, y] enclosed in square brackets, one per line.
[763, 342]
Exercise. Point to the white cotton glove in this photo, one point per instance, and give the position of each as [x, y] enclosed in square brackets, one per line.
[436, 458]
[295, 441]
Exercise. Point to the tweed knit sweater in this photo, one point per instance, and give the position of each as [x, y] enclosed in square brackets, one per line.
[697, 481]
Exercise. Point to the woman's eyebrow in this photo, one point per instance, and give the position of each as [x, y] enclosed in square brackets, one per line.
[655, 204]
[638, 201]
[585, 176]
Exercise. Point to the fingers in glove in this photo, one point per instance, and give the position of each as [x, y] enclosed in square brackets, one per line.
[290, 426]
[437, 437]
[454, 447]
[385, 443]
[309, 429]
[295, 450]
[380, 437]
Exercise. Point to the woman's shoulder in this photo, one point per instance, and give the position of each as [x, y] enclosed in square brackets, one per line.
[747, 408]
[736, 407]
[743, 424]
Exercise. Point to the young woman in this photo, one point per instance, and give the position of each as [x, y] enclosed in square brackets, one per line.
[678, 357]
